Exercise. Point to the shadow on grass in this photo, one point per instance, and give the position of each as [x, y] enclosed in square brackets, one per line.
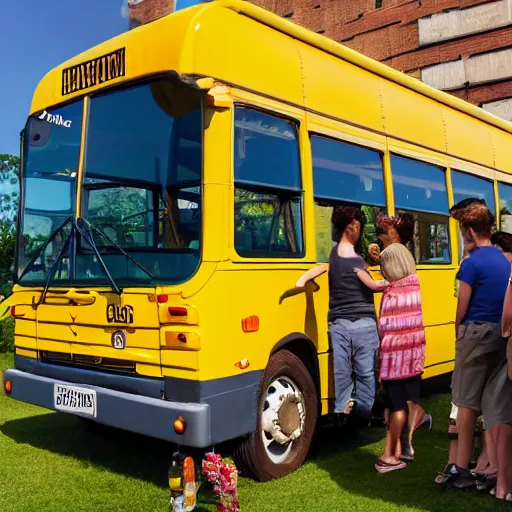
[349, 460]
[94, 445]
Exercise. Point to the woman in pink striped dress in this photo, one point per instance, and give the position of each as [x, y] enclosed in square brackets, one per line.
[402, 353]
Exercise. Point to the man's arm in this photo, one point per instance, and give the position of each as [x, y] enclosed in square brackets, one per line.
[465, 291]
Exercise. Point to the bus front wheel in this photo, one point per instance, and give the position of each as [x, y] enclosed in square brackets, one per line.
[286, 420]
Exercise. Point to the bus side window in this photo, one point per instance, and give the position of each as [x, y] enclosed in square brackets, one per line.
[420, 190]
[268, 194]
[505, 194]
[344, 173]
[464, 186]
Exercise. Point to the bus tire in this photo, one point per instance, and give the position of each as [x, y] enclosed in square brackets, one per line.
[287, 409]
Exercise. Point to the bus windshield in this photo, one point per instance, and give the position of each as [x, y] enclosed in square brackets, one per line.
[141, 187]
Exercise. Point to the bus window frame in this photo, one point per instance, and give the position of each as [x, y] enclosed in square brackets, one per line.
[347, 134]
[291, 115]
[499, 216]
[344, 138]
[492, 181]
[443, 165]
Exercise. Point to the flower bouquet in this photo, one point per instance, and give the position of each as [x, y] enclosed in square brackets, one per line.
[221, 478]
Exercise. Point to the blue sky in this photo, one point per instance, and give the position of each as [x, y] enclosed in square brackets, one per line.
[35, 36]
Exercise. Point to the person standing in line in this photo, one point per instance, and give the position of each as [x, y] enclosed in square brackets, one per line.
[483, 279]
[352, 318]
[402, 347]
[486, 469]
[391, 231]
[498, 391]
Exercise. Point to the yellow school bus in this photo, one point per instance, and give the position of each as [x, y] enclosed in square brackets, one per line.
[178, 179]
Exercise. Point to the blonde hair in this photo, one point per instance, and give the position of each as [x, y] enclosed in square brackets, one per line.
[396, 262]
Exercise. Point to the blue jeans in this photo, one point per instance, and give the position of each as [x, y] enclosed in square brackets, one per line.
[355, 346]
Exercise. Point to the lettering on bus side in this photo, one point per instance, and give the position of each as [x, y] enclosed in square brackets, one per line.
[120, 314]
[93, 72]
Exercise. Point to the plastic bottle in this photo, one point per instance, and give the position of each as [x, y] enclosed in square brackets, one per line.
[189, 484]
[176, 474]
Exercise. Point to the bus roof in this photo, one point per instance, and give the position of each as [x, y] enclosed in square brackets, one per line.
[241, 44]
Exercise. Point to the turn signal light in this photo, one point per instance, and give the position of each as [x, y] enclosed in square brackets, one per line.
[178, 311]
[162, 298]
[179, 426]
[243, 364]
[8, 386]
[251, 323]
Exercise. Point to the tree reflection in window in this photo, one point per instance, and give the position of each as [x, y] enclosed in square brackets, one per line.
[266, 224]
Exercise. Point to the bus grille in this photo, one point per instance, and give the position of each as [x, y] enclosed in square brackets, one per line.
[99, 363]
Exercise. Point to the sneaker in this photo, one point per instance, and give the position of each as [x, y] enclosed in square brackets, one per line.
[445, 477]
[463, 478]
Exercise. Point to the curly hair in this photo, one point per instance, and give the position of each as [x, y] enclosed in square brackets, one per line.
[342, 216]
[403, 222]
[477, 217]
[503, 240]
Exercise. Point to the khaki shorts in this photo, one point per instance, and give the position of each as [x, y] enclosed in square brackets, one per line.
[497, 398]
[479, 349]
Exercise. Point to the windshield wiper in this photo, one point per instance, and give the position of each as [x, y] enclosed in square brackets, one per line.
[114, 244]
[82, 227]
[54, 267]
[44, 246]
[90, 240]
[75, 228]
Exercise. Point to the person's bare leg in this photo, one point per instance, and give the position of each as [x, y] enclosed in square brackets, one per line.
[482, 465]
[396, 424]
[466, 422]
[504, 452]
[452, 452]
[491, 450]
[416, 415]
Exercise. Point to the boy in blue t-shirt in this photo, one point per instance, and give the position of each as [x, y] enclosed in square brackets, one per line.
[483, 279]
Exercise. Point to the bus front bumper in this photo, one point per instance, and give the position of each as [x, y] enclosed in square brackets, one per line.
[143, 415]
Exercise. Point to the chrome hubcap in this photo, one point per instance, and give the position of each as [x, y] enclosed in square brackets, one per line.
[282, 418]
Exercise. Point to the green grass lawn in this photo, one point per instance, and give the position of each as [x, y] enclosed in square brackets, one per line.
[51, 462]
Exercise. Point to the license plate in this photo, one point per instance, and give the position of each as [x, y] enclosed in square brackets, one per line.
[75, 400]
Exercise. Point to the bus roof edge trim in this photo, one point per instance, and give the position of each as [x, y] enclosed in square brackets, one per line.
[325, 44]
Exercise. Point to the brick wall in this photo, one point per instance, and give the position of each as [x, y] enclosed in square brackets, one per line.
[462, 45]
[141, 12]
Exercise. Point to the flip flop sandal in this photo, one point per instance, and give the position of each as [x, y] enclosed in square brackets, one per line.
[385, 467]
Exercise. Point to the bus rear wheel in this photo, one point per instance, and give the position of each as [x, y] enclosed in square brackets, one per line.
[286, 420]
